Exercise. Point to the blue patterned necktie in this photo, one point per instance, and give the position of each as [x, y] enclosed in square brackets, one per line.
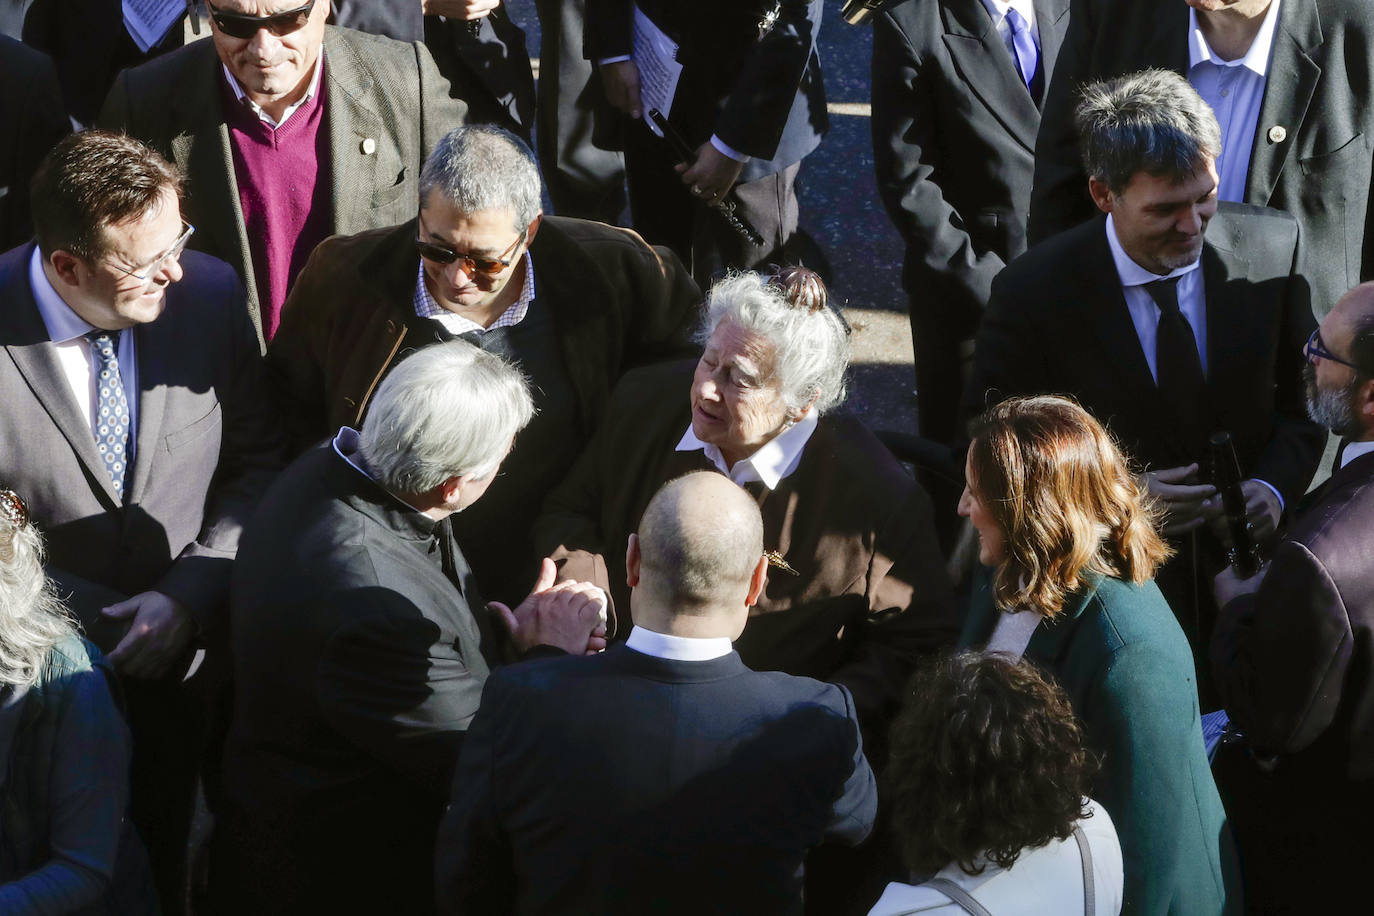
[111, 407]
[1023, 47]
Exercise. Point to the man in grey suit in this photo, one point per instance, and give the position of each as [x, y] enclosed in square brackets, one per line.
[135, 425]
[288, 131]
[957, 90]
[1290, 82]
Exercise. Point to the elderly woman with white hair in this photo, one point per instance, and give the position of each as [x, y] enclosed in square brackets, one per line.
[65, 844]
[857, 588]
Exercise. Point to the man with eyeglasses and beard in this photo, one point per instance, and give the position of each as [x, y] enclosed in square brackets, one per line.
[574, 303]
[1293, 649]
[288, 131]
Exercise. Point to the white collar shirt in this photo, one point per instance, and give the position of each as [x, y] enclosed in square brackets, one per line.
[1235, 90]
[67, 331]
[345, 445]
[775, 459]
[291, 109]
[997, 9]
[678, 648]
[1354, 450]
[427, 307]
[1144, 312]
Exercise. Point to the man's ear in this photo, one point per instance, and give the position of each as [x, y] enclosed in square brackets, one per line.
[1364, 405]
[757, 581]
[632, 561]
[67, 266]
[533, 228]
[1102, 195]
[451, 490]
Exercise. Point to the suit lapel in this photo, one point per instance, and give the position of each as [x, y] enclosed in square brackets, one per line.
[979, 54]
[35, 358]
[1051, 21]
[1293, 75]
[1167, 45]
[353, 125]
[156, 349]
[1230, 317]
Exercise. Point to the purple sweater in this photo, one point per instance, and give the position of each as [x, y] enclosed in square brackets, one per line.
[284, 180]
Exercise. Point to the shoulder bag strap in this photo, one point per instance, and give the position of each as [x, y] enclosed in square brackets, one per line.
[959, 896]
[1084, 853]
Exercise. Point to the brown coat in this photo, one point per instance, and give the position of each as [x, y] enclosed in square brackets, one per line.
[872, 594]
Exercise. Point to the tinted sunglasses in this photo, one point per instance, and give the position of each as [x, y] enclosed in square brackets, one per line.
[241, 25]
[471, 262]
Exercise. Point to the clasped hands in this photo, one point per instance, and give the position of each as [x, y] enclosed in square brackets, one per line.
[1189, 505]
[568, 615]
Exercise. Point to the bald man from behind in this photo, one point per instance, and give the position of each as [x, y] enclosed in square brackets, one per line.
[662, 776]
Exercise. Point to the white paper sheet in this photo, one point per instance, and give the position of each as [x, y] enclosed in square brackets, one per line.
[655, 55]
[149, 20]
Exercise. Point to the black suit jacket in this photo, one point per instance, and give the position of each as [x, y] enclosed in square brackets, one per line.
[626, 783]
[953, 143]
[1318, 91]
[31, 111]
[1058, 323]
[357, 666]
[762, 96]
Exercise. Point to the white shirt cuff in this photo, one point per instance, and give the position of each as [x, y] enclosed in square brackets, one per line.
[727, 151]
[1273, 490]
[613, 60]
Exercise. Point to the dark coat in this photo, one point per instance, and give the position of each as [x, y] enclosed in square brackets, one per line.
[1121, 657]
[386, 109]
[1318, 167]
[697, 787]
[871, 596]
[32, 113]
[358, 665]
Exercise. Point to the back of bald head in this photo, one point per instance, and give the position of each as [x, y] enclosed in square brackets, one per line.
[699, 540]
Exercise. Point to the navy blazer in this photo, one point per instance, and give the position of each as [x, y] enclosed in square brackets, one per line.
[626, 783]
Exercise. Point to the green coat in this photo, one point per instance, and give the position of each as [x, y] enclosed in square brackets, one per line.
[1123, 660]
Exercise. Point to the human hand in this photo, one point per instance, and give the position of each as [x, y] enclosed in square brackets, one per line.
[1262, 513]
[161, 631]
[1228, 585]
[459, 9]
[1181, 497]
[621, 82]
[565, 615]
[713, 174]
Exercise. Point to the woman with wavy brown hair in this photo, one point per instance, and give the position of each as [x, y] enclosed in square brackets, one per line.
[987, 784]
[1072, 546]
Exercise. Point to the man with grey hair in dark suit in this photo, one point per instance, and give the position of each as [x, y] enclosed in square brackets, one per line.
[288, 131]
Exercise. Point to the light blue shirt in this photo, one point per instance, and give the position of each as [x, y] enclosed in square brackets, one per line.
[1235, 90]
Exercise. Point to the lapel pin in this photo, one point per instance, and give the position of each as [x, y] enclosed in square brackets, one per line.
[776, 561]
[1277, 134]
[369, 146]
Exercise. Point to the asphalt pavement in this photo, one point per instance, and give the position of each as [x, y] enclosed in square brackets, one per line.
[841, 211]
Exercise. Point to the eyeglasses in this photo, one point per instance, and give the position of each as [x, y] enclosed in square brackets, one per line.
[1316, 347]
[472, 263]
[241, 25]
[145, 274]
[14, 509]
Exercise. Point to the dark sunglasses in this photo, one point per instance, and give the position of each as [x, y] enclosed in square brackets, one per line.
[241, 25]
[1316, 348]
[471, 262]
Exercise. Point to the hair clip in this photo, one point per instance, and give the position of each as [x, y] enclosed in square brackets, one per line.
[13, 508]
[776, 561]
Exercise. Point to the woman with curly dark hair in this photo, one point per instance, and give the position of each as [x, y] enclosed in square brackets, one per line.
[988, 783]
[1072, 546]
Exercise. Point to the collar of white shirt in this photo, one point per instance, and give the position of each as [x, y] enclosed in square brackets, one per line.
[1354, 450]
[997, 9]
[291, 109]
[1131, 273]
[62, 323]
[1256, 59]
[345, 445]
[777, 457]
[426, 307]
[678, 648]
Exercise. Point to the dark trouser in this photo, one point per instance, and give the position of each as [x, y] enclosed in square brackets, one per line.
[943, 346]
[583, 180]
[665, 212]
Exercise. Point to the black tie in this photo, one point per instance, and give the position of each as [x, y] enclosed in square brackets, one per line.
[1178, 367]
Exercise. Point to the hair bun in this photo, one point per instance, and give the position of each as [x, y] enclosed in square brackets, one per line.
[800, 286]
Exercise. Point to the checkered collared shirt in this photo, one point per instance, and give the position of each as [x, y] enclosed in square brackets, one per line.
[426, 307]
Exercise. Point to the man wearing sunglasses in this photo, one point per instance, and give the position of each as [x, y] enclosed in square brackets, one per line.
[574, 303]
[135, 423]
[1290, 654]
[288, 131]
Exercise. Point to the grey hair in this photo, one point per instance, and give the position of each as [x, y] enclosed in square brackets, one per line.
[447, 410]
[32, 618]
[809, 337]
[480, 167]
[1151, 121]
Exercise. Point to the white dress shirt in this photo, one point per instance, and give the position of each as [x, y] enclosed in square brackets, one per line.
[67, 331]
[310, 91]
[1354, 450]
[427, 307]
[997, 9]
[1144, 312]
[678, 648]
[1234, 89]
[774, 460]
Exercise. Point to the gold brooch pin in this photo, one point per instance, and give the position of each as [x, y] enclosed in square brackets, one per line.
[776, 561]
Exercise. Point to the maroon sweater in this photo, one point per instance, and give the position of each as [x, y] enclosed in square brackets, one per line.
[284, 178]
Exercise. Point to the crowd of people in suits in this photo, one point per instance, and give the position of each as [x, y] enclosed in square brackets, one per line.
[462, 557]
